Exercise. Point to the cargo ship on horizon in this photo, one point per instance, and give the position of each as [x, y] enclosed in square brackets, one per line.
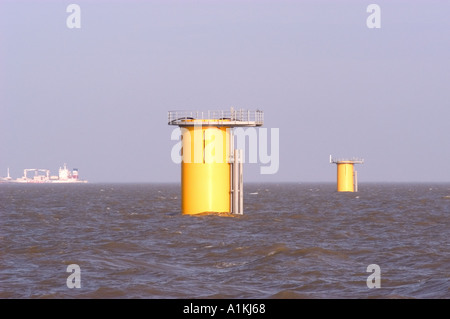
[43, 176]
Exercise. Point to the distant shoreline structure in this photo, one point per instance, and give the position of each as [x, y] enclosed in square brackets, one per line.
[42, 176]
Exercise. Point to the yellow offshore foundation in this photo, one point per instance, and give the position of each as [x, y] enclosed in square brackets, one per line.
[211, 169]
[347, 180]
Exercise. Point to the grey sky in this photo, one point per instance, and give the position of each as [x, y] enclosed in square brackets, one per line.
[97, 97]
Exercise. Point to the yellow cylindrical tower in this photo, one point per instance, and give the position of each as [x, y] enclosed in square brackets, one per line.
[211, 170]
[205, 170]
[346, 175]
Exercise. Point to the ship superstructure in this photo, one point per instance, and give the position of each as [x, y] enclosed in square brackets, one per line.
[40, 175]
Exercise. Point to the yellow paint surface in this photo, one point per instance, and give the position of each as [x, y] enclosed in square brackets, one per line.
[345, 178]
[205, 171]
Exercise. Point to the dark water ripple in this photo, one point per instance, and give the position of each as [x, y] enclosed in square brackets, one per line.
[293, 241]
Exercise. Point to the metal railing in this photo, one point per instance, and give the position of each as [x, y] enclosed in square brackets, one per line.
[224, 118]
[354, 160]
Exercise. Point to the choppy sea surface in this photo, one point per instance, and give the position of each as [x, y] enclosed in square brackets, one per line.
[293, 241]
